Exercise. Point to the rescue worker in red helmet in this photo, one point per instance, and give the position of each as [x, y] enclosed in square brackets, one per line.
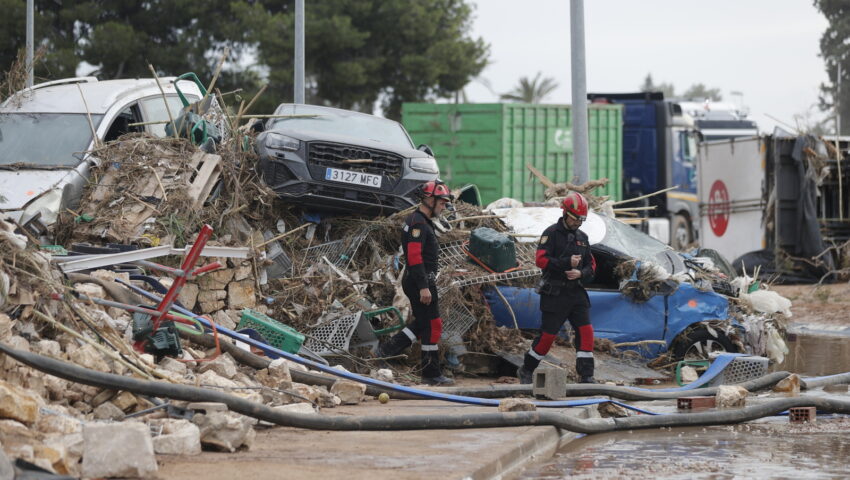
[420, 283]
[564, 256]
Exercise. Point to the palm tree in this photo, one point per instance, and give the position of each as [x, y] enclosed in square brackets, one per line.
[531, 91]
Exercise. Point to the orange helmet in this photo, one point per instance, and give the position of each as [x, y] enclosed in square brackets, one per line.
[575, 205]
[436, 188]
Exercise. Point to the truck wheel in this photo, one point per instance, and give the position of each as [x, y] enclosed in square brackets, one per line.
[681, 233]
[699, 342]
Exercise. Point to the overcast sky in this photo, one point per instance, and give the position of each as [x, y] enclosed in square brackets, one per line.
[766, 49]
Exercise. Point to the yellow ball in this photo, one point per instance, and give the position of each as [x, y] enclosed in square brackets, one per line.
[383, 398]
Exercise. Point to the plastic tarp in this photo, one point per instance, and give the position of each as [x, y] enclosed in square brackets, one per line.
[615, 317]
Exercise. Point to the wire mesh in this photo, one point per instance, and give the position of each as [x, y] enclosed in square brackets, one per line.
[341, 335]
[338, 252]
[457, 320]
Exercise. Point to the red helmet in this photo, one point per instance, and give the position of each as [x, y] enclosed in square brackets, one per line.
[575, 205]
[436, 188]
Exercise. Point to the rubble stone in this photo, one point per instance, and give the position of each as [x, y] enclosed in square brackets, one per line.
[300, 407]
[789, 384]
[731, 396]
[18, 343]
[224, 431]
[48, 348]
[224, 365]
[279, 371]
[349, 393]
[216, 280]
[384, 375]
[210, 307]
[171, 365]
[7, 471]
[59, 423]
[314, 394]
[689, 375]
[242, 272]
[208, 296]
[516, 405]
[110, 276]
[179, 437]
[5, 327]
[118, 450]
[241, 294]
[88, 356]
[69, 460]
[17, 404]
[53, 458]
[224, 318]
[92, 290]
[189, 295]
[103, 396]
[108, 411]
[612, 410]
[207, 407]
[125, 401]
[211, 378]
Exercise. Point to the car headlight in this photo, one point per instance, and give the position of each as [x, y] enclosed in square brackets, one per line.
[277, 141]
[424, 165]
[48, 204]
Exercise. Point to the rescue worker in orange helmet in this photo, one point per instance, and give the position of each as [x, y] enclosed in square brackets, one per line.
[419, 282]
[564, 256]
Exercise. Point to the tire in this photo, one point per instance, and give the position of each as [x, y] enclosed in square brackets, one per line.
[696, 344]
[681, 232]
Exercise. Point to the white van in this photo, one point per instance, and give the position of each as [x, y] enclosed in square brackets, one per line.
[45, 134]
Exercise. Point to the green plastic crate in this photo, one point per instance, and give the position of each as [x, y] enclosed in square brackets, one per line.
[276, 334]
[494, 249]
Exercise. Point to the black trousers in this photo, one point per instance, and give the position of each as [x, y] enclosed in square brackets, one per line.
[427, 327]
[573, 306]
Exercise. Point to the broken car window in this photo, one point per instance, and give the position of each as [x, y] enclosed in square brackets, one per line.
[46, 139]
[625, 239]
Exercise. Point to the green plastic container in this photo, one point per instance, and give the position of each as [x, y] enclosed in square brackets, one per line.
[276, 334]
[492, 248]
[490, 144]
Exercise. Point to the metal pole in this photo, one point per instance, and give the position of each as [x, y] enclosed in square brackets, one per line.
[581, 160]
[299, 51]
[30, 40]
[838, 156]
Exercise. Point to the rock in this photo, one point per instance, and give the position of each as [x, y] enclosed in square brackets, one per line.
[207, 296]
[5, 327]
[17, 404]
[279, 371]
[224, 431]
[18, 343]
[223, 318]
[611, 410]
[171, 365]
[384, 375]
[349, 393]
[210, 378]
[730, 396]
[125, 401]
[242, 272]
[516, 405]
[224, 365]
[241, 294]
[103, 396]
[54, 457]
[92, 290]
[295, 366]
[59, 423]
[689, 375]
[179, 437]
[65, 460]
[108, 411]
[48, 348]
[118, 450]
[88, 356]
[301, 407]
[310, 393]
[110, 276]
[207, 407]
[216, 280]
[210, 307]
[789, 384]
[189, 295]
[7, 471]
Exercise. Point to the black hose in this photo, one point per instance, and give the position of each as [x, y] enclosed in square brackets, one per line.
[94, 378]
[810, 383]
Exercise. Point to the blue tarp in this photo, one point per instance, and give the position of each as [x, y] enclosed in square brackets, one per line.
[616, 317]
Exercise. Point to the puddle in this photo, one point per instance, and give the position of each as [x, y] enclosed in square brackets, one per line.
[814, 355]
[774, 449]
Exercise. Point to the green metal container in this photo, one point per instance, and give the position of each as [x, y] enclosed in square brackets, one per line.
[277, 334]
[494, 249]
[489, 144]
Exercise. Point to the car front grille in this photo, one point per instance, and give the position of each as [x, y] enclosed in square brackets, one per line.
[335, 156]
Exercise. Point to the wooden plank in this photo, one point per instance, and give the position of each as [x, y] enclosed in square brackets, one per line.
[204, 181]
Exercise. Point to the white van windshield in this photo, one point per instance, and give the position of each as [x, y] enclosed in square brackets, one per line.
[45, 139]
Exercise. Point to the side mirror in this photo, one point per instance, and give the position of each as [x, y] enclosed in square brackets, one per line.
[426, 149]
[258, 126]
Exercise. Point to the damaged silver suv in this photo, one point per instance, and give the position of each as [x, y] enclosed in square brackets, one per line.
[339, 160]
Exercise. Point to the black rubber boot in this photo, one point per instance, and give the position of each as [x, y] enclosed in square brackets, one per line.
[431, 373]
[524, 376]
[395, 345]
[584, 369]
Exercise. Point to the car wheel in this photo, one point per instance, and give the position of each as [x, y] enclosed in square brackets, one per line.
[698, 343]
[681, 234]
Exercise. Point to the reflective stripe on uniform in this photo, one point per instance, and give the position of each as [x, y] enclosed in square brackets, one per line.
[430, 348]
[535, 354]
[410, 334]
[581, 354]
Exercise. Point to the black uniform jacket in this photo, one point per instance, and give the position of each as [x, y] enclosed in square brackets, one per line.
[557, 245]
[420, 249]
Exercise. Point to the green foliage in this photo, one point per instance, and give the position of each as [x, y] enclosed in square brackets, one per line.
[531, 91]
[696, 92]
[666, 88]
[835, 50]
[358, 52]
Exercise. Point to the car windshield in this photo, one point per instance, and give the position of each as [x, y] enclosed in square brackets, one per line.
[340, 122]
[634, 243]
[45, 139]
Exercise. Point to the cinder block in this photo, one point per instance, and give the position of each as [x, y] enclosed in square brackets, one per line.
[802, 415]
[549, 382]
[690, 403]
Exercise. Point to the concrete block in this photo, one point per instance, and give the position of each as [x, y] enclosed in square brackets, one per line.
[118, 450]
[549, 382]
[178, 437]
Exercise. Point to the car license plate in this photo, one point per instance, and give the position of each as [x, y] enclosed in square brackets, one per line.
[354, 178]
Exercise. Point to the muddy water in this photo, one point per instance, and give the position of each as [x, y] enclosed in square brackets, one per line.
[814, 355]
[773, 449]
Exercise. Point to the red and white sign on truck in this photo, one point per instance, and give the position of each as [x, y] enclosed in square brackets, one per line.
[729, 188]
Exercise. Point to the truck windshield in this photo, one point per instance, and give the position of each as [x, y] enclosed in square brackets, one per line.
[44, 139]
[636, 244]
[340, 122]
